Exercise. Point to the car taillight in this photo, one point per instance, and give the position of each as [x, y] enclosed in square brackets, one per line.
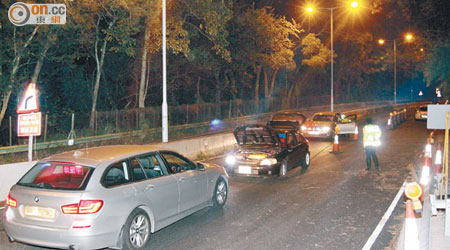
[84, 207]
[10, 201]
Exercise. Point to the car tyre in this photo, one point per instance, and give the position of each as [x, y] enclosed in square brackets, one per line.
[283, 169]
[137, 229]
[307, 160]
[220, 193]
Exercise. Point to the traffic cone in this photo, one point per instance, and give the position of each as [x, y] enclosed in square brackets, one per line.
[355, 135]
[411, 231]
[335, 144]
[437, 168]
[427, 155]
[389, 122]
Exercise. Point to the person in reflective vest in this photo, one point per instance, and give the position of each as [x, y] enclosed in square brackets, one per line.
[372, 134]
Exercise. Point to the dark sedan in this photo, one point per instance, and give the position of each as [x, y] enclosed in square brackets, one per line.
[262, 150]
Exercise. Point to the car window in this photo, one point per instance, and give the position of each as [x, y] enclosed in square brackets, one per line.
[55, 175]
[136, 170]
[291, 140]
[323, 118]
[423, 108]
[300, 138]
[152, 165]
[117, 174]
[177, 163]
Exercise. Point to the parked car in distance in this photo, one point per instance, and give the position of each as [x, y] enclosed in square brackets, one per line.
[109, 197]
[264, 151]
[323, 124]
[421, 113]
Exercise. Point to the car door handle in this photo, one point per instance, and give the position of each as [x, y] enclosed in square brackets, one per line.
[182, 178]
[149, 187]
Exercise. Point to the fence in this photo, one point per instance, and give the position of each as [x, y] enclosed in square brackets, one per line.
[58, 126]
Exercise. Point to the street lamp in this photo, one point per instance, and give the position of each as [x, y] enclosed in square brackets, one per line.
[310, 9]
[165, 129]
[408, 38]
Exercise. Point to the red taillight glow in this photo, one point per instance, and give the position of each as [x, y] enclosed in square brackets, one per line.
[84, 207]
[10, 201]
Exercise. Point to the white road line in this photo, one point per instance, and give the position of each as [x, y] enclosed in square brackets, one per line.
[383, 220]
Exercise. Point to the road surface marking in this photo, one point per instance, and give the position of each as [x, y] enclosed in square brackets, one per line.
[383, 220]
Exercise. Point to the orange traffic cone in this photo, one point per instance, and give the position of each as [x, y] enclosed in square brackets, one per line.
[355, 135]
[335, 144]
[411, 231]
[389, 122]
[437, 168]
[427, 155]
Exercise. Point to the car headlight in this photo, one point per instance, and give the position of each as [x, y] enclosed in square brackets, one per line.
[230, 160]
[325, 129]
[303, 128]
[268, 162]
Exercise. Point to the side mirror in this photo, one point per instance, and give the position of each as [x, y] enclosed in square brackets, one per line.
[200, 167]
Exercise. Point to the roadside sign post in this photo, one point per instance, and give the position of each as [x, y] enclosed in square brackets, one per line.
[29, 122]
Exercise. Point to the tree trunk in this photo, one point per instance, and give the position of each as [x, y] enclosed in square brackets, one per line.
[40, 62]
[289, 95]
[99, 63]
[16, 63]
[218, 94]
[198, 96]
[258, 73]
[266, 84]
[142, 84]
[272, 82]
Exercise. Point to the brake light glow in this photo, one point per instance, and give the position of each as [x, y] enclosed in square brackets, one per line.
[84, 207]
[10, 201]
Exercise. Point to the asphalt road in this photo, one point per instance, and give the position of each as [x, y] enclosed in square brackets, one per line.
[334, 204]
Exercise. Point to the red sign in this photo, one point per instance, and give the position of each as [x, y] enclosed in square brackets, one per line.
[29, 102]
[29, 124]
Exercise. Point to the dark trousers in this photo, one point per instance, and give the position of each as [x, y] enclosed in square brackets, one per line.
[371, 153]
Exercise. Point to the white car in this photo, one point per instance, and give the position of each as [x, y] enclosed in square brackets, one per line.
[421, 113]
[323, 124]
[110, 196]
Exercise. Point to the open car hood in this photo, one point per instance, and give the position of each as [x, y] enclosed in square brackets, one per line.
[256, 135]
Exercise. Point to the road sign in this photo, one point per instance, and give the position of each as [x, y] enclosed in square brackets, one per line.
[29, 124]
[436, 116]
[29, 102]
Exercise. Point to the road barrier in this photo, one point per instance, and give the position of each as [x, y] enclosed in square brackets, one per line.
[411, 231]
[396, 118]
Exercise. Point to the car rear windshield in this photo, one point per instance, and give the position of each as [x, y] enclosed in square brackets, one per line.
[323, 118]
[54, 175]
[423, 108]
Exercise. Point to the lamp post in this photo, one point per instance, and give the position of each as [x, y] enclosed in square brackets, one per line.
[310, 9]
[165, 129]
[408, 38]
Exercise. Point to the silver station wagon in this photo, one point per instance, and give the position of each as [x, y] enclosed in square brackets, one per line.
[110, 196]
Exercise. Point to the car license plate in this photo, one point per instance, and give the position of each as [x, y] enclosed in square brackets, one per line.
[245, 170]
[39, 212]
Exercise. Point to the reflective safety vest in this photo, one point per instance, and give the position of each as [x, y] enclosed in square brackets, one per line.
[372, 134]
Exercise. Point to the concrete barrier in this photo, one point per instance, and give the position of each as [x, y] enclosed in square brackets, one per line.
[10, 174]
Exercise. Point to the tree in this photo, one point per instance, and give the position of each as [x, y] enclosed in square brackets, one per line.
[266, 40]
